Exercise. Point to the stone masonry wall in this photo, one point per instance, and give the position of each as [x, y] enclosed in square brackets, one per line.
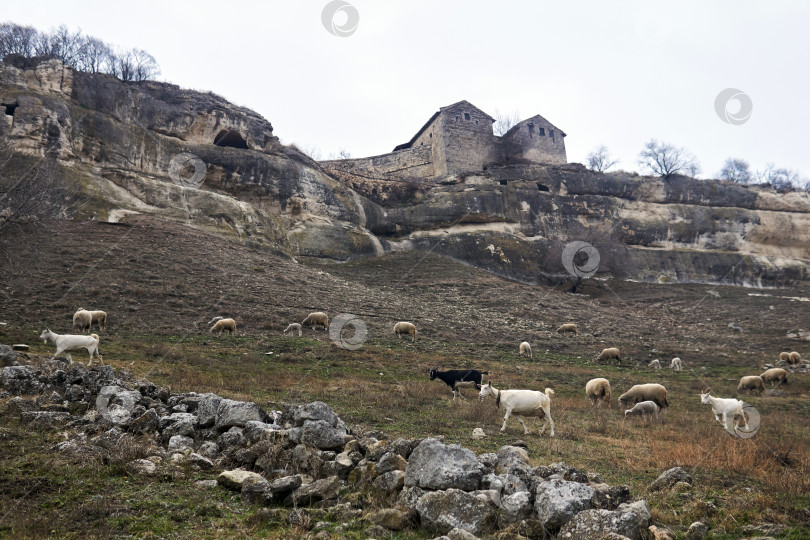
[467, 138]
[536, 139]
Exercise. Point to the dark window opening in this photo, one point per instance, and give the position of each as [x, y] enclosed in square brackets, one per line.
[466, 116]
[10, 107]
[430, 135]
[551, 134]
[531, 130]
[503, 182]
[541, 187]
[476, 122]
[230, 139]
[541, 131]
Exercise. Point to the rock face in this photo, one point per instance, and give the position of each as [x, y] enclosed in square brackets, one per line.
[194, 158]
[434, 465]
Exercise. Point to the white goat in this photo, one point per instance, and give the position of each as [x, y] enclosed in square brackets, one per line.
[293, 327]
[655, 364]
[67, 342]
[676, 364]
[526, 349]
[521, 403]
[725, 410]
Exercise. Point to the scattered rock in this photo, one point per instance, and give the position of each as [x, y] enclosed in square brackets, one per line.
[232, 413]
[285, 485]
[557, 501]
[145, 423]
[200, 461]
[444, 510]
[319, 490]
[141, 467]
[659, 533]
[390, 462]
[390, 482]
[395, 519]
[596, 524]
[44, 419]
[319, 434]
[461, 534]
[434, 465]
[236, 478]
[178, 443]
[515, 508]
[478, 434]
[256, 491]
[669, 478]
[206, 484]
[697, 531]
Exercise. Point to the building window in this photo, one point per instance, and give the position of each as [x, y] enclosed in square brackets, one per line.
[466, 116]
[531, 129]
[430, 135]
[476, 122]
[541, 132]
[551, 134]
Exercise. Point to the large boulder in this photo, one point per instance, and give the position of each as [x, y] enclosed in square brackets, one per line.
[442, 511]
[7, 355]
[20, 380]
[235, 479]
[320, 434]
[317, 410]
[237, 413]
[320, 490]
[596, 524]
[434, 465]
[145, 423]
[557, 501]
[669, 478]
[115, 403]
[207, 409]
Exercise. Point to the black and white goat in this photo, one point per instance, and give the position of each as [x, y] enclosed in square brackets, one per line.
[459, 378]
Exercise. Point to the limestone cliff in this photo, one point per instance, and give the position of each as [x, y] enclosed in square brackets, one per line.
[195, 158]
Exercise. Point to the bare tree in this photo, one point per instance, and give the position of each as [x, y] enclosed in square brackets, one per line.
[665, 159]
[96, 56]
[782, 179]
[17, 39]
[600, 159]
[145, 66]
[504, 122]
[63, 44]
[736, 170]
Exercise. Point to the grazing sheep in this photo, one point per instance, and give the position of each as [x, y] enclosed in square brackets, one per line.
[458, 378]
[785, 357]
[611, 353]
[598, 390]
[67, 342]
[403, 327]
[795, 358]
[751, 382]
[96, 317]
[655, 364]
[775, 375]
[526, 349]
[522, 403]
[645, 392]
[316, 318]
[676, 364]
[224, 324]
[293, 327]
[725, 410]
[83, 319]
[567, 327]
[643, 408]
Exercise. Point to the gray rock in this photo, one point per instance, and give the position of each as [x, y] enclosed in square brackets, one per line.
[164, 422]
[7, 356]
[461, 534]
[145, 423]
[315, 411]
[319, 490]
[697, 531]
[340, 466]
[116, 404]
[44, 419]
[510, 457]
[596, 524]
[305, 459]
[641, 511]
[256, 491]
[557, 501]
[236, 478]
[404, 447]
[434, 465]
[669, 478]
[390, 462]
[390, 482]
[320, 434]
[178, 443]
[395, 519]
[254, 430]
[207, 409]
[513, 484]
[18, 405]
[237, 413]
[515, 508]
[200, 461]
[208, 449]
[376, 531]
[492, 481]
[442, 511]
[206, 484]
[231, 439]
[409, 496]
[609, 497]
[488, 462]
[183, 427]
[285, 485]
[141, 467]
[20, 380]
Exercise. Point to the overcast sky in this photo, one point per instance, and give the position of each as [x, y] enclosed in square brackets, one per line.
[612, 73]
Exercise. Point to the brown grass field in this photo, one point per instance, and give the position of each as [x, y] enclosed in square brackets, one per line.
[160, 283]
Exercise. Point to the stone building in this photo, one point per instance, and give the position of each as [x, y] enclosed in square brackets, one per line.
[457, 139]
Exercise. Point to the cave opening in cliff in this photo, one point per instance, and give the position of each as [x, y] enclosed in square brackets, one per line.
[10, 108]
[542, 187]
[230, 139]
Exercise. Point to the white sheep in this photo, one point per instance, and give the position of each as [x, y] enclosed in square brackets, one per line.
[316, 318]
[96, 317]
[522, 403]
[611, 353]
[795, 358]
[775, 375]
[676, 364]
[598, 390]
[643, 408]
[526, 349]
[67, 342]
[224, 324]
[567, 327]
[292, 327]
[655, 364]
[82, 319]
[403, 327]
[725, 409]
[751, 382]
[645, 392]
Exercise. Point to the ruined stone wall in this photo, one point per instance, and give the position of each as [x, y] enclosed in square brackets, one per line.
[416, 162]
[536, 139]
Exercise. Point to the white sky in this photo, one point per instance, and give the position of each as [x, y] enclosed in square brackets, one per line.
[605, 72]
